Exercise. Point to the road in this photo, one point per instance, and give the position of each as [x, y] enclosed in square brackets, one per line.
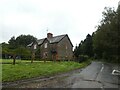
[96, 75]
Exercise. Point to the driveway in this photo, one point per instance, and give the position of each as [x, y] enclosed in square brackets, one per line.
[96, 75]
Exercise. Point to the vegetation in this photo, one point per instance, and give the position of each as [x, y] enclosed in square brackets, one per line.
[107, 36]
[104, 42]
[16, 47]
[85, 47]
[24, 70]
[18, 61]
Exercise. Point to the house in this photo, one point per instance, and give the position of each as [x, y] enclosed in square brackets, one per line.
[54, 47]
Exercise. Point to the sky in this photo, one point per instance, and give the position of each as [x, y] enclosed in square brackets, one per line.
[77, 18]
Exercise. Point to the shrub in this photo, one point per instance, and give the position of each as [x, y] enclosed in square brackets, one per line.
[82, 58]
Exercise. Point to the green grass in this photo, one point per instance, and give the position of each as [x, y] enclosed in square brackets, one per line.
[17, 61]
[24, 70]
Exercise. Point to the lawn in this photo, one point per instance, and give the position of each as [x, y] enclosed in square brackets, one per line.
[24, 70]
[17, 61]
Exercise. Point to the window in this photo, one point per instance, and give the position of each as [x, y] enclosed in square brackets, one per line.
[35, 46]
[45, 45]
[45, 54]
[66, 47]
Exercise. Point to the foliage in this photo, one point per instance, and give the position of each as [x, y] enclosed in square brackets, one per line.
[5, 48]
[85, 47]
[22, 40]
[104, 42]
[12, 43]
[88, 48]
[105, 39]
[76, 51]
[82, 58]
[26, 70]
[17, 47]
[23, 52]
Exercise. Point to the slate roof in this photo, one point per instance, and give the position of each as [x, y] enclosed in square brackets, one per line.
[30, 44]
[54, 39]
[40, 41]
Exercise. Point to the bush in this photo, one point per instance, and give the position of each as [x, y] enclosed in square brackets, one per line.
[82, 58]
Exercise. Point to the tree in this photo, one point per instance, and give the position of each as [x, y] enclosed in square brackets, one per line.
[24, 40]
[23, 52]
[18, 47]
[76, 53]
[85, 47]
[118, 22]
[5, 50]
[12, 43]
[105, 39]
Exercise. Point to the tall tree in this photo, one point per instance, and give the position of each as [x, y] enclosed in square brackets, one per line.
[85, 47]
[105, 39]
[12, 42]
[88, 47]
[76, 53]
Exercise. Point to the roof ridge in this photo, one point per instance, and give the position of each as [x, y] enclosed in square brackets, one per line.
[53, 36]
[40, 39]
[54, 39]
[60, 35]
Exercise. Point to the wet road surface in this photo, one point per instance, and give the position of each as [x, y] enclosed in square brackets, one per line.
[96, 75]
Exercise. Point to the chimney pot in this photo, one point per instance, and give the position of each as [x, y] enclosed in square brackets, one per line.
[49, 35]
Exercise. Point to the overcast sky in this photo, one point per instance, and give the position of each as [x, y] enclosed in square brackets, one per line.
[76, 18]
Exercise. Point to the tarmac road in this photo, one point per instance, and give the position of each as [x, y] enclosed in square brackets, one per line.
[96, 75]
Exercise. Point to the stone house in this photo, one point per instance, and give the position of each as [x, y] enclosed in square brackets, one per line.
[54, 48]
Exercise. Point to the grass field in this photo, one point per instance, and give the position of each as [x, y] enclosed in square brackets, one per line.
[24, 70]
[17, 61]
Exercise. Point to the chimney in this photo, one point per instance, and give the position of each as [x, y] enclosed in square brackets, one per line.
[49, 35]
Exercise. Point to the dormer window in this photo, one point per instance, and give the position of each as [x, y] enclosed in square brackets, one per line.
[45, 45]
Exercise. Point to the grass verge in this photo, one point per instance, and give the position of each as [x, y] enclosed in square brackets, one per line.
[27, 70]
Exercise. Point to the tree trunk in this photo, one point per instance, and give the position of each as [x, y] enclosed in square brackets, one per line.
[44, 60]
[14, 59]
[33, 57]
[31, 60]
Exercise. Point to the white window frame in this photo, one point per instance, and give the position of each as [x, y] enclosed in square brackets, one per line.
[66, 47]
[45, 46]
[35, 46]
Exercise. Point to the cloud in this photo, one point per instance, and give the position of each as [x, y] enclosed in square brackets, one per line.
[74, 17]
